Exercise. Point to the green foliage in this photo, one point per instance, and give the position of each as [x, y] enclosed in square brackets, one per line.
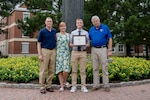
[26, 69]
[38, 5]
[6, 6]
[127, 19]
[19, 69]
[34, 23]
[127, 68]
[95, 7]
[40, 10]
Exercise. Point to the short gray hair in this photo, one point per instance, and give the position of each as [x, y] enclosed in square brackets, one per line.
[94, 17]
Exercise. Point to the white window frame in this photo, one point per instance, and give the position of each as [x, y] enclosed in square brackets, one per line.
[24, 17]
[122, 49]
[113, 50]
[25, 47]
[23, 36]
[144, 48]
[132, 49]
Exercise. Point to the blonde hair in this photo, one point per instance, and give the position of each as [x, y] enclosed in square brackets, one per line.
[62, 24]
[79, 19]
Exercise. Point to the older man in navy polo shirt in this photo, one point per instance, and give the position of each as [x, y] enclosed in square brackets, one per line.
[47, 53]
[101, 41]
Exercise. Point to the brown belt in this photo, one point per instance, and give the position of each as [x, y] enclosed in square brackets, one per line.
[80, 50]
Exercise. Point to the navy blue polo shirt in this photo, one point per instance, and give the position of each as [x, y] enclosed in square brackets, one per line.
[47, 38]
[100, 36]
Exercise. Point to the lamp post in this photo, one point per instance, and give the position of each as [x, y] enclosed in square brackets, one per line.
[147, 57]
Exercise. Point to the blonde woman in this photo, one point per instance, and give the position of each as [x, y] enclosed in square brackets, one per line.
[62, 56]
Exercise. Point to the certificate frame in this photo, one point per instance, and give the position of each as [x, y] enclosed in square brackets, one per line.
[79, 40]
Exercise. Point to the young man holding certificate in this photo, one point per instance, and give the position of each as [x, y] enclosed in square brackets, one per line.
[79, 40]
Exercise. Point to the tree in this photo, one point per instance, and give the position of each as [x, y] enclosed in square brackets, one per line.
[129, 22]
[95, 7]
[40, 10]
[6, 6]
[128, 19]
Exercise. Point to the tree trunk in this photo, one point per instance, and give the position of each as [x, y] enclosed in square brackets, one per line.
[138, 50]
[128, 53]
[147, 57]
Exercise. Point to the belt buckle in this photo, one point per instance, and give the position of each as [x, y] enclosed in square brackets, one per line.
[100, 46]
[97, 46]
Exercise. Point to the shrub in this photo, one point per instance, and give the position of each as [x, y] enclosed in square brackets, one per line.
[129, 68]
[19, 69]
[26, 69]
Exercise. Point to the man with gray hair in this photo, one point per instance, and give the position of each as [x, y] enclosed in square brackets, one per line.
[101, 41]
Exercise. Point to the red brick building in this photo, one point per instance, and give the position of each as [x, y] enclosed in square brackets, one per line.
[12, 40]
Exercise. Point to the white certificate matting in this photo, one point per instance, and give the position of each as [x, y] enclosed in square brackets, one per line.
[79, 40]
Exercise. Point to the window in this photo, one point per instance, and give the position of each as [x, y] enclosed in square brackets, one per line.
[113, 49]
[121, 48]
[25, 15]
[144, 48]
[132, 49]
[23, 35]
[25, 47]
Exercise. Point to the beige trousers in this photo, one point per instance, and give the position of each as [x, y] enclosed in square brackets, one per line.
[78, 57]
[99, 57]
[47, 68]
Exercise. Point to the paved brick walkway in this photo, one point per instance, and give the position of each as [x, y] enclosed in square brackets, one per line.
[137, 92]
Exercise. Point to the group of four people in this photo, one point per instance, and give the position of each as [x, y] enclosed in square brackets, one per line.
[54, 54]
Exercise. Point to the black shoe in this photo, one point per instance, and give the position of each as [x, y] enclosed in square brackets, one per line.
[107, 89]
[95, 89]
[43, 91]
[50, 89]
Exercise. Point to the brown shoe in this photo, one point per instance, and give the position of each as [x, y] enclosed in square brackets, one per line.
[107, 89]
[43, 91]
[95, 89]
[50, 89]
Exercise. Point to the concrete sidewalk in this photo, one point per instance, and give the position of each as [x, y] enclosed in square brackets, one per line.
[133, 92]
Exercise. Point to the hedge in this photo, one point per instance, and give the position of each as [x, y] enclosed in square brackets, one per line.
[26, 69]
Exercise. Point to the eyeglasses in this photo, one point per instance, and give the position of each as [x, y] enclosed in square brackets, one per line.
[49, 21]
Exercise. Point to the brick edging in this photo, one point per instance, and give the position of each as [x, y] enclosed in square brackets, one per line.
[36, 86]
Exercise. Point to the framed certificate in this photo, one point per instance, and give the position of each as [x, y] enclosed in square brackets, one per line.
[79, 40]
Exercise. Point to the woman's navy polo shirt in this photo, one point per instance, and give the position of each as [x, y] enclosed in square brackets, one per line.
[47, 38]
[99, 36]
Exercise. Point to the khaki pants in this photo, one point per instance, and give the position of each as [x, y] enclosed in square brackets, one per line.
[47, 68]
[78, 56]
[99, 57]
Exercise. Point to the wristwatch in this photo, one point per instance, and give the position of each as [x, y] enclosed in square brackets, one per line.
[109, 49]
